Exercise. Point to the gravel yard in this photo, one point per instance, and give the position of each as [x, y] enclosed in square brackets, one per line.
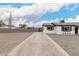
[70, 43]
[8, 41]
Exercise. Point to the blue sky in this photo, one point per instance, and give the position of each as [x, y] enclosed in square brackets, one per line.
[67, 11]
[18, 5]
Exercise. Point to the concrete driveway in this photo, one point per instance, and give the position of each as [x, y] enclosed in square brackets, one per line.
[38, 44]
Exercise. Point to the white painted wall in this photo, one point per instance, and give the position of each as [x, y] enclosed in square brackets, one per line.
[57, 30]
[49, 31]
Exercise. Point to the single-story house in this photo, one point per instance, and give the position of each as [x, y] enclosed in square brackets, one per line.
[61, 28]
[6, 26]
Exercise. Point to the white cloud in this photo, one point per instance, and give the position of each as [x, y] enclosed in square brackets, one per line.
[42, 8]
[19, 21]
[73, 20]
[35, 9]
[39, 24]
[76, 19]
[68, 7]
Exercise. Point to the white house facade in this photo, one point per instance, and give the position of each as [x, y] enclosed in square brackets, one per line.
[61, 28]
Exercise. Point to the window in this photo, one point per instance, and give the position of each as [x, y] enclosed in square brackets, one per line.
[66, 28]
[50, 28]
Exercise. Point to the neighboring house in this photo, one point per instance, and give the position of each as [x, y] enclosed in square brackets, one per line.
[61, 28]
[6, 26]
[35, 29]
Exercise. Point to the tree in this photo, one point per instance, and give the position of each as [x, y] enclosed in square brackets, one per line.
[22, 26]
[1, 23]
[62, 21]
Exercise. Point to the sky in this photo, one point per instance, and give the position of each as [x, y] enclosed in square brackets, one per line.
[35, 14]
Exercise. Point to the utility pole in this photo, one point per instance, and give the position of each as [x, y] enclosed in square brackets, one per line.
[10, 22]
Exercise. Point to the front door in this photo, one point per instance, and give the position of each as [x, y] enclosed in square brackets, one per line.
[76, 30]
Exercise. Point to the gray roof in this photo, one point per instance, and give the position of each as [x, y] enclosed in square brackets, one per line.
[61, 24]
[48, 24]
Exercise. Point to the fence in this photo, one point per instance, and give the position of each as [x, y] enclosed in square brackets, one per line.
[5, 30]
